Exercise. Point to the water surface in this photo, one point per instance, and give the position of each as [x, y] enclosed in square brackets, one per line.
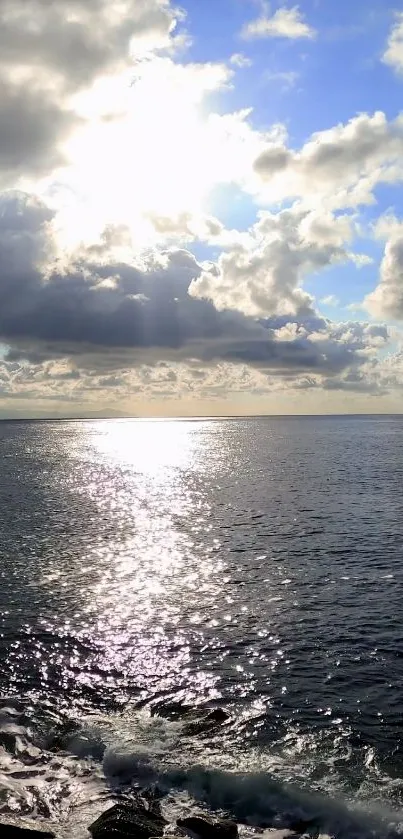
[251, 564]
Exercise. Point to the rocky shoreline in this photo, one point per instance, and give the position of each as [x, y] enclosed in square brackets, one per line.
[141, 818]
[139, 815]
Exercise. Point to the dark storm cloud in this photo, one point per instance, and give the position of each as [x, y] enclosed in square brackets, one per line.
[299, 354]
[108, 310]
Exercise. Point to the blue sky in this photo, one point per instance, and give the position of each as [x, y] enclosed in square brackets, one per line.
[308, 86]
[338, 73]
[201, 207]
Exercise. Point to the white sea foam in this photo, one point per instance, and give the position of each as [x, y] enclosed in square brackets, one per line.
[68, 789]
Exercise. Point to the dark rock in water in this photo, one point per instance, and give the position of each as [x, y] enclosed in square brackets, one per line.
[128, 819]
[207, 829]
[10, 741]
[218, 716]
[302, 825]
[198, 717]
[61, 735]
[13, 831]
[153, 795]
[207, 722]
[151, 798]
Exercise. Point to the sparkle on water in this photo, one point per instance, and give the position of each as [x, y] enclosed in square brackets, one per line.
[253, 564]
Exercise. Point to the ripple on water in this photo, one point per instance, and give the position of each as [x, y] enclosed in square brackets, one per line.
[215, 562]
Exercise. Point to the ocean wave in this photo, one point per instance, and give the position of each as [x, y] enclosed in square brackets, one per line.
[39, 779]
[255, 798]
[63, 772]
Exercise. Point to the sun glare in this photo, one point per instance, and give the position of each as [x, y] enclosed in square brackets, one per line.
[144, 150]
[150, 446]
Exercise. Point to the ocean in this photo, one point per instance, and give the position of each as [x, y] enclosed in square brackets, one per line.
[253, 565]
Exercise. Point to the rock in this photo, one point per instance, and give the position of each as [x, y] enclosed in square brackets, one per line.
[13, 831]
[10, 741]
[128, 819]
[207, 722]
[208, 829]
[61, 735]
[189, 714]
[302, 825]
[151, 796]
[218, 716]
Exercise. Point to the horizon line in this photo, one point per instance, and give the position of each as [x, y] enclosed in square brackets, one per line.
[195, 417]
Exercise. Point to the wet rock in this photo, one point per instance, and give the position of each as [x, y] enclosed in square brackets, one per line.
[302, 826]
[208, 829]
[13, 831]
[207, 722]
[217, 716]
[191, 716]
[128, 819]
[153, 796]
[10, 740]
[61, 736]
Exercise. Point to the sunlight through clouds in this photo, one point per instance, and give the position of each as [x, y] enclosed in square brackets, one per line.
[167, 214]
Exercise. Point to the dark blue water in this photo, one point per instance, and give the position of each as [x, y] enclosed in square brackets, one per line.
[251, 564]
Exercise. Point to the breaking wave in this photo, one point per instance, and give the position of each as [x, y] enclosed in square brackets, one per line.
[63, 773]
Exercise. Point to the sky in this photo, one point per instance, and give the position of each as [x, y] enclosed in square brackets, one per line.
[201, 207]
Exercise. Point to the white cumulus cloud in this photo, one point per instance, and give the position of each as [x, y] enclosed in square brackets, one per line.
[341, 165]
[387, 298]
[284, 23]
[393, 55]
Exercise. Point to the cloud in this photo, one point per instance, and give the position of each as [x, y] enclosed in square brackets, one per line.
[104, 315]
[393, 55]
[288, 78]
[387, 298]
[110, 131]
[169, 155]
[187, 226]
[379, 376]
[33, 124]
[81, 39]
[238, 59]
[387, 226]
[389, 371]
[284, 23]
[330, 300]
[48, 53]
[342, 164]
[355, 307]
[264, 278]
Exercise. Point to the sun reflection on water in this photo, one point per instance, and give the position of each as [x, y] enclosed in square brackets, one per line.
[147, 579]
[150, 446]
